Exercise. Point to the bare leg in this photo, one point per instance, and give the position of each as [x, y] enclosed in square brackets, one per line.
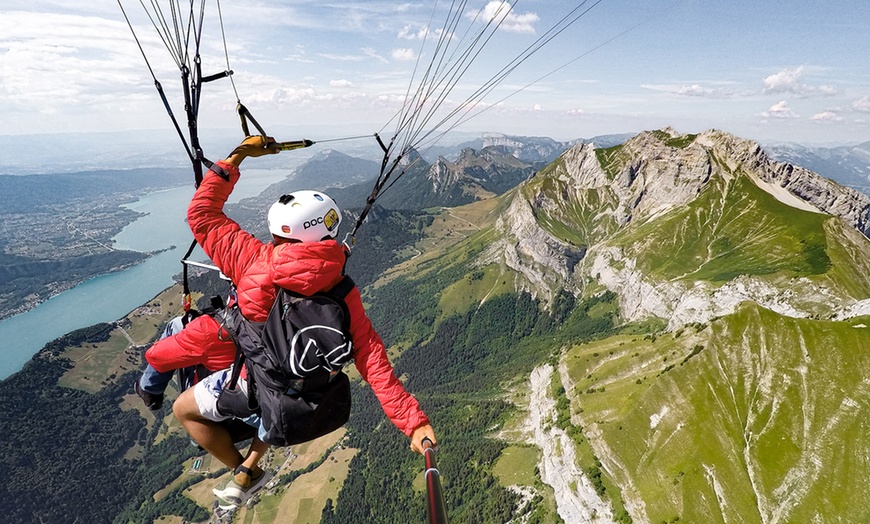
[255, 453]
[213, 437]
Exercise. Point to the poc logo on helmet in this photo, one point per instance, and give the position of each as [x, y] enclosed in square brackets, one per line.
[313, 222]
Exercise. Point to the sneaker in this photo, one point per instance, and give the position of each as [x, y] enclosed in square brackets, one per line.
[221, 506]
[233, 494]
[152, 401]
[223, 513]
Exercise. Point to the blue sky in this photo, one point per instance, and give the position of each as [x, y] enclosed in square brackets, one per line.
[770, 71]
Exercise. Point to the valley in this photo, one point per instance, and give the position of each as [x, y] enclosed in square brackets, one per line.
[665, 330]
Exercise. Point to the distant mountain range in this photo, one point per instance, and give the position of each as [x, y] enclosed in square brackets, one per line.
[848, 165]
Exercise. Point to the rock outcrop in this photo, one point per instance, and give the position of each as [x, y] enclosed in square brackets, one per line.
[560, 228]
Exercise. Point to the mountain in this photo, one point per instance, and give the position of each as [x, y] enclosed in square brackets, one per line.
[848, 165]
[677, 323]
[330, 168]
[528, 149]
[475, 175]
[733, 371]
[327, 169]
[669, 329]
[466, 172]
[695, 208]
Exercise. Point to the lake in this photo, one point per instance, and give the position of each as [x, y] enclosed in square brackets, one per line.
[110, 297]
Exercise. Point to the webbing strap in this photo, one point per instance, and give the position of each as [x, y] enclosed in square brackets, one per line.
[185, 287]
[342, 289]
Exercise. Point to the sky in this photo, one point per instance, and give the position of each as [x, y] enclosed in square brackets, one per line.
[775, 71]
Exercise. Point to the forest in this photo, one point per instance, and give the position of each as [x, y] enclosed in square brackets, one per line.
[456, 375]
[66, 448]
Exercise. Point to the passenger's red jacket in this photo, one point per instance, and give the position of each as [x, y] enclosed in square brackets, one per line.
[256, 268]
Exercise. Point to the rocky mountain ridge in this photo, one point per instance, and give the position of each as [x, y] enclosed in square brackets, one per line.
[736, 379]
[558, 230]
[489, 171]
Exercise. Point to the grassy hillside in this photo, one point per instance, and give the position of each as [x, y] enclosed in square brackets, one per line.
[579, 218]
[754, 418]
[732, 228]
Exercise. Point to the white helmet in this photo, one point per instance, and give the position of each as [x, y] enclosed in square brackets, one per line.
[306, 216]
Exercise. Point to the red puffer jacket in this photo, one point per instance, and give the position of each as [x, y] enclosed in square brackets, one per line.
[202, 341]
[256, 268]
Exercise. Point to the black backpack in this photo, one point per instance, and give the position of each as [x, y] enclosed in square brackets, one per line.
[294, 361]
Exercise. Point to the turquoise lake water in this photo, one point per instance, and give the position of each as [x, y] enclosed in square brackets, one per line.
[110, 297]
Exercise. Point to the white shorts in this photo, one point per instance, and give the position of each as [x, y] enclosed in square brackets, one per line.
[207, 391]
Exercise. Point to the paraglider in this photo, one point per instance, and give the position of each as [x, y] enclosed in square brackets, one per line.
[427, 113]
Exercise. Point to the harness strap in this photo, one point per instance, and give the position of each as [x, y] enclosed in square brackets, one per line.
[343, 288]
[185, 286]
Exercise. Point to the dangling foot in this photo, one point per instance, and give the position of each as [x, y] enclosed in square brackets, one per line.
[241, 487]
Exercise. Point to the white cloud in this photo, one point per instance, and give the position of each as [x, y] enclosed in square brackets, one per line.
[502, 12]
[403, 54]
[827, 116]
[862, 104]
[342, 58]
[785, 80]
[694, 90]
[409, 33]
[266, 96]
[779, 110]
[788, 81]
[94, 57]
[371, 53]
[367, 52]
[297, 55]
[341, 83]
[423, 34]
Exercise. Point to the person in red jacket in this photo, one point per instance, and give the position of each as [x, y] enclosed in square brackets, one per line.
[303, 257]
[187, 341]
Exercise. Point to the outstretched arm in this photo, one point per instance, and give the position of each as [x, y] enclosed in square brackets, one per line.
[222, 239]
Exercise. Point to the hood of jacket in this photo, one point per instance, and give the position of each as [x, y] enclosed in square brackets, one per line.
[307, 267]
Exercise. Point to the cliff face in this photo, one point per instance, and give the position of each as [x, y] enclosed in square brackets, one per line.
[609, 216]
[821, 193]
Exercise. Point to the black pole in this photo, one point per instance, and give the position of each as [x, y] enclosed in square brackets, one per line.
[437, 509]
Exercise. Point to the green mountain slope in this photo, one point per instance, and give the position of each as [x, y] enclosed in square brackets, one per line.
[754, 418]
[740, 418]
[733, 228]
